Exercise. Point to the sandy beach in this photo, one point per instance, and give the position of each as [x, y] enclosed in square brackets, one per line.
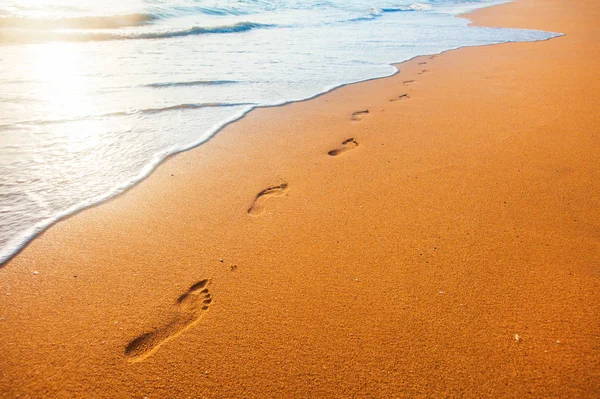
[432, 234]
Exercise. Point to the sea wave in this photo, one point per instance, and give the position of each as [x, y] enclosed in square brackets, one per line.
[219, 11]
[182, 107]
[412, 7]
[133, 112]
[22, 36]
[192, 83]
[87, 22]
[379, 12]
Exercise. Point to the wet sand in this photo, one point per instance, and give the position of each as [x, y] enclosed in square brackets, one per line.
[432, 234]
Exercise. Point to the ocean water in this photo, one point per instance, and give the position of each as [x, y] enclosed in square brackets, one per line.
[96, 93]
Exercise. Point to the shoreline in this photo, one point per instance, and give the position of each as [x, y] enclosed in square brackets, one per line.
[447, 248]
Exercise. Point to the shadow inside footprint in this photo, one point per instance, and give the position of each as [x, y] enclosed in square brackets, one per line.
[347, 145]
[258, 206]
[408, 82]
[358, 115]
[190, 307]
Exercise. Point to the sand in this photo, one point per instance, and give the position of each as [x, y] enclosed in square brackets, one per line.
[443, 244]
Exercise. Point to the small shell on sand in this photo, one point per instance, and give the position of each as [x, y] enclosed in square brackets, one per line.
[518, 338]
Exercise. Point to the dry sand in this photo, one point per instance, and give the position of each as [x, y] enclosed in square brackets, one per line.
[451, 249]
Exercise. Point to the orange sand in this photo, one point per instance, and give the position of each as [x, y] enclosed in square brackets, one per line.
[454, 252]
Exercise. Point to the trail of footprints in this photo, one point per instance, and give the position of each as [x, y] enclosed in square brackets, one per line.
[189, 309]
[193, 304]
[258, 205]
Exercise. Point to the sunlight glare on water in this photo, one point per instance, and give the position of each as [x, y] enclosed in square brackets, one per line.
[56, 68]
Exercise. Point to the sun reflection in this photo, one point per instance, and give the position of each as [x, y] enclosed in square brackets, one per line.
[57, 68]
[66, 94]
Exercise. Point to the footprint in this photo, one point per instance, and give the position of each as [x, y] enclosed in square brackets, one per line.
[422, 63]
[401, 97]
[423, 71]
[347, 145]
[190, 307]
[358, 115]
[408, 82]
[258, 207]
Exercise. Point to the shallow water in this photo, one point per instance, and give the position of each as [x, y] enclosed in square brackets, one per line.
[95, 94]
